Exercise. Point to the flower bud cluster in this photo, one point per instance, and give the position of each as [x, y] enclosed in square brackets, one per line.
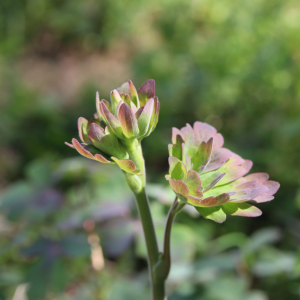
[130, 115]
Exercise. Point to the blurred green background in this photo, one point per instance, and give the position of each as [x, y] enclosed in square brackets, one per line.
[68, 226]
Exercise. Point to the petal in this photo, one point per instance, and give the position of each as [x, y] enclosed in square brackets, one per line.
[177, 169]
[81, 149]
[218, 141]
[249, 190]
[228, 188]
[193, 182]
[102, 159]
[133, 94]
[175, 133]
[175, 149]
[273, 187]
[107, 141]
[234, 171]
[111, 120]
[187, 161]
[203, 132]
[84, 152]
[193, 200]
[215, 201]
[133, 108]
[241, 209]
[218, 159]
[95, 120]
[124, 88]
[154, 117]
[115, 98]
[262, 198]
[209, 178]
[127, 165]
[259, 177]
[146, 91]
[214, 182]
[179, 187]
[247, 165]
[116, 113]
[189, 138]
[128, 121]
[215, 213]
[125, 98]
[202, 157]
[98, 106]
[129, 89]
[145, 117]
[96, 132]
[83, 129]
[138, 112]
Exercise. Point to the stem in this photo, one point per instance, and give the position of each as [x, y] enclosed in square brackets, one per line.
[176, 207]
[137, 185]
[148, 227]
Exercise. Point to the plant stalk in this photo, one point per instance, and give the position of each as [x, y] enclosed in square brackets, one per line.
[137, 185]
[176, 207]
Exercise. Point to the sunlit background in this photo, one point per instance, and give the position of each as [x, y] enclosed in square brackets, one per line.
[68, 226]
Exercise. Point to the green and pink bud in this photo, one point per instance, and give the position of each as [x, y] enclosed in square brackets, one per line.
[209, 177]
[131, 113]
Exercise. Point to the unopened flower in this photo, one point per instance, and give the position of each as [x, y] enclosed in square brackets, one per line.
[210, 178]
[130, 115]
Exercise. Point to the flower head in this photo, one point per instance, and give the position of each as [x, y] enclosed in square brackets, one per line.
[209, 177]
[130, 115]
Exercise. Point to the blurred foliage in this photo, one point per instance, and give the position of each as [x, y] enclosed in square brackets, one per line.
[233, 64]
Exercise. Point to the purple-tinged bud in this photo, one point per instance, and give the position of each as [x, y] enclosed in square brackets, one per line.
[146, 91]
[128, 121]
[83, 129]
[111, 120]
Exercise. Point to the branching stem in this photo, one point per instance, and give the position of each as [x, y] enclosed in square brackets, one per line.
[159, 263]
[176, 207]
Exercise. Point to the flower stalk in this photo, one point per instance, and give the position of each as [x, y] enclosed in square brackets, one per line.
[174, 210]
[137, 185]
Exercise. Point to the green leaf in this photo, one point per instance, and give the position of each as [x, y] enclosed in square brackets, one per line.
[241, 209]
[215, 213]
[39, 172]
[76, 245]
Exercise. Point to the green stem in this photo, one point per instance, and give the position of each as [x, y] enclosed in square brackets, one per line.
[176, 207]
[148, 227]
[137, 185]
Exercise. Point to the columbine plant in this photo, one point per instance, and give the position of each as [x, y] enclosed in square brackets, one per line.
[202, 173]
